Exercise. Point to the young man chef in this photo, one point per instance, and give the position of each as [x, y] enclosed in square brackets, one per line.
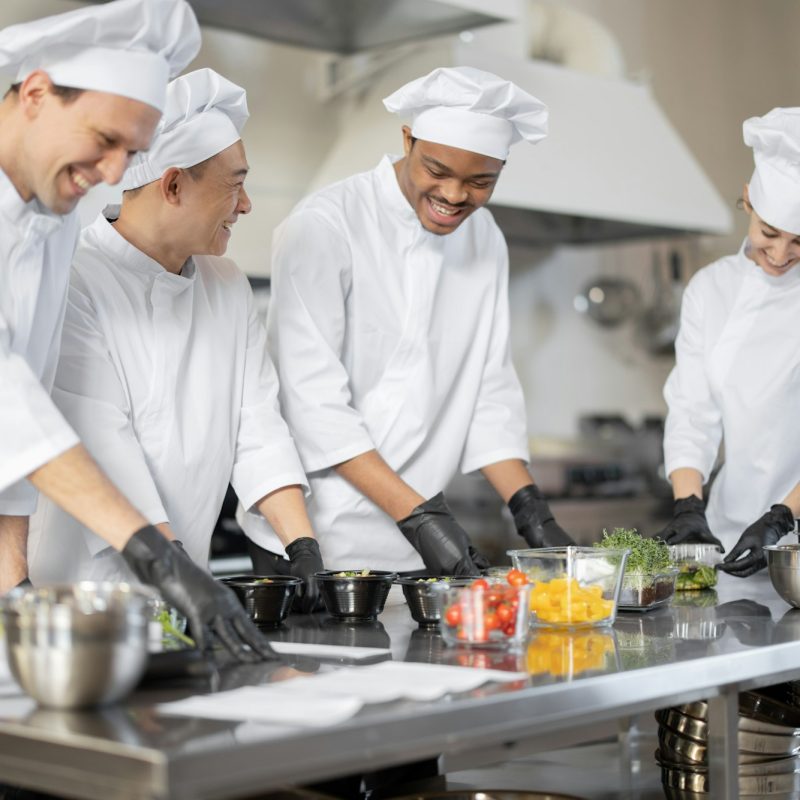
[389, 327]
[87, 91]
[164, 371]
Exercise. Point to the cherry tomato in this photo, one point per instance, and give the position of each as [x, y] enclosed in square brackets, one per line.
[509, 628]
[453, 616]
[479, 584]
[516, 578]
[495, 596]
[504, 613]
[491, 621]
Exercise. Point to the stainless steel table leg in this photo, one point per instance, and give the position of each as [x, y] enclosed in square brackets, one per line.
[723, 745]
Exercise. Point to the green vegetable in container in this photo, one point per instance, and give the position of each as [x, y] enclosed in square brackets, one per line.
[364, 573]
[694, 577]
[647, 556]
[170, 630]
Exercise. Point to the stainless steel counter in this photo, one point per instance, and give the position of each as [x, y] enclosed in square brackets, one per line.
[706, 647]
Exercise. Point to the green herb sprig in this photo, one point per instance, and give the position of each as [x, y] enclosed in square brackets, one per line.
[647, 556]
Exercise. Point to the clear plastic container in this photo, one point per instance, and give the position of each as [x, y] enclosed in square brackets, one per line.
[695, 563]
[485, 615]
[644, 592]
[573, 587]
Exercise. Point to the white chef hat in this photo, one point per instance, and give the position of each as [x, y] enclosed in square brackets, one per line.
[125, 47]
[775, 185]
[470, 109]
[204, 114]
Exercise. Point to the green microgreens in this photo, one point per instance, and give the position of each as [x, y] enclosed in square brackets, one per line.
[647, 556]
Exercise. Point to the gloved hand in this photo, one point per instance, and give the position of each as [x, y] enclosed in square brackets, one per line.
[211, 608]
[443, 544]
[766, 530]
[304, 560]
[689, 523]
[534, 519]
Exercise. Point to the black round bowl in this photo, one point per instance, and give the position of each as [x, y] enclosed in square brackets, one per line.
[360, 597]
[266, 603]
[425, 598]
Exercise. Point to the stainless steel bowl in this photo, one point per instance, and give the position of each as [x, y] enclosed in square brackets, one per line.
[783, 562]
[79, 645]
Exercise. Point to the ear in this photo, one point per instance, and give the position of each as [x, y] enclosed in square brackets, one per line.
[407, 140]
[746, 196]
[172, 183]
[34, 91]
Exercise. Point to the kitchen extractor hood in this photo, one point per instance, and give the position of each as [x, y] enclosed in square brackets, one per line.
[612, 167]
[349, 26]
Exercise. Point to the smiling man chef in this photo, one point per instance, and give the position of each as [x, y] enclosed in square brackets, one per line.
[164, 371]
[87, 91]
[389, 327]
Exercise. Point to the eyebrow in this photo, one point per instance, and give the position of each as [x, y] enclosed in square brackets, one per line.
[444, 168]
[240, 172]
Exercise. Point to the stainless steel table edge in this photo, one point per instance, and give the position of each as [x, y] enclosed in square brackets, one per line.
[526, 719]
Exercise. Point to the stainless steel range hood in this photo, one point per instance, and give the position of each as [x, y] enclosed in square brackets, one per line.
[612, 168]
[349, 26]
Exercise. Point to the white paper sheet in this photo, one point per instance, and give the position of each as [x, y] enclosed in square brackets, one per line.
[328, 650]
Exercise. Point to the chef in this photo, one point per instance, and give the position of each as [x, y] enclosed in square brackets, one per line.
[164, 371]
[389, 326]
[87, 91]
[737, 374]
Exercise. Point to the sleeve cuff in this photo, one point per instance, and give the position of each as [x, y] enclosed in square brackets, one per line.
[333, 457]
[22, 464]
[473, 462]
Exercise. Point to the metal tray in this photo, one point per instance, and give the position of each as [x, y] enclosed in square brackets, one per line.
[778, 766]
[767, 709]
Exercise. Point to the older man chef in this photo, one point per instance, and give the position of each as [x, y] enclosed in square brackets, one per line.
[389, 326]
[737, 375]
[164, 370]
[88, 89]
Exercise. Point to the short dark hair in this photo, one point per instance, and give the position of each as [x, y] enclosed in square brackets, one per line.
[67, 94]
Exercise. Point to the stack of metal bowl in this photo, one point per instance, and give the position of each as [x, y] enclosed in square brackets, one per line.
[769, 749]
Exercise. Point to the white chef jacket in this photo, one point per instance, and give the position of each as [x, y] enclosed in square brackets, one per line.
[36, 248]
[167, 379]
[737, 376]
[392, 338]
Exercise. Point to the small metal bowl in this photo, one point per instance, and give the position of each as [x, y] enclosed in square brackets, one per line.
[356, 597]
[425, 597]
[783, 562]
[266, 598]
[79, 645]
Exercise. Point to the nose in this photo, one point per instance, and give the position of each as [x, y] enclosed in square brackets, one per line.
[244, 205]
[113, 165]
[454, 192]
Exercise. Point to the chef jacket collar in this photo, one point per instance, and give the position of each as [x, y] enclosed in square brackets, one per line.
[130, 257]
[31, 217]
[397, 203]
[787, 281]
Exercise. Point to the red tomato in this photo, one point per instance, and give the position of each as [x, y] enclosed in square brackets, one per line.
[504, 613]
[495, 596]
[491, 621]
[480, 583]
[453, 616]
[516, 578]
[509, 628]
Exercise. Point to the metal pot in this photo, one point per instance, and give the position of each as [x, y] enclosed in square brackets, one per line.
[608, 301]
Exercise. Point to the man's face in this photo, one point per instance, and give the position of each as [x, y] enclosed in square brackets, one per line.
[212, 203]
[71, 146]
[774, 250]
[443, 184]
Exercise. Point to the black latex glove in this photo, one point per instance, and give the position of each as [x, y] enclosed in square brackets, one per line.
[211, 608]
[766, 530]
[689, 524]
[433, 532]
[534, 519]
[304, 560]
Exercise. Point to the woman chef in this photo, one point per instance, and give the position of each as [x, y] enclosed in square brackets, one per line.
[737, 375]
[389, 326]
